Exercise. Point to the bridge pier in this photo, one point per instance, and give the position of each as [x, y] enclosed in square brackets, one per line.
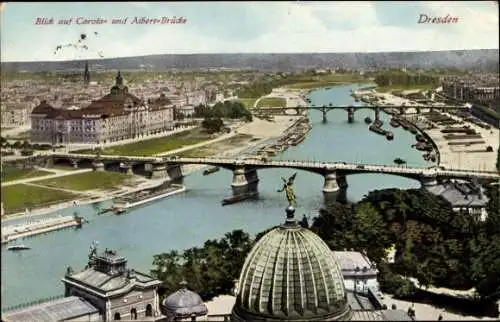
[428, 181]
[49, 162]
[98, 165]
[402, 110]
[335, 187]
[127, 168]
[244, 181]
[175, 171]
[159, 171]
[330, 184]
[324, 111]
[418, 109]
[350, 114]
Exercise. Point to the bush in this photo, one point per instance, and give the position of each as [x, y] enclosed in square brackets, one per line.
[27, 152]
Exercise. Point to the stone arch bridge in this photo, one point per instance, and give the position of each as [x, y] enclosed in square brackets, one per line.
[352, 109]
[245, 175]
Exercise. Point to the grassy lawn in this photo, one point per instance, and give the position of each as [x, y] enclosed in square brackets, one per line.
[157, 145]
[87, 181]
[11, 173]
[248, 102]
[18, 197]
[217, 147]
[391, 88]
[272, 102]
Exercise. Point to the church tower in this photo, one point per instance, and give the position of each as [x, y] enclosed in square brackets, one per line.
[86, 74]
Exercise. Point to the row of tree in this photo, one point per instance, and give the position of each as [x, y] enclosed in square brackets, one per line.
[402, 78]
[23, 145]
[433, 244]
[228, 109]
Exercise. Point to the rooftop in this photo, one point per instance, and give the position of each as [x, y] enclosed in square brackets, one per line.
[354, 263]
[57, 310]
[460, 194]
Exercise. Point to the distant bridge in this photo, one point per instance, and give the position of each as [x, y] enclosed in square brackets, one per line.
[245, 170]
[351, 109]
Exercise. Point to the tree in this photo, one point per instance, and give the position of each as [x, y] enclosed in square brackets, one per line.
[212, 125]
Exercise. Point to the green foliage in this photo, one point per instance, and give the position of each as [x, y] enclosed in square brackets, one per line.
[228, 109]
[403, 78]
[433, 244]
[212, 125]
[210, 270]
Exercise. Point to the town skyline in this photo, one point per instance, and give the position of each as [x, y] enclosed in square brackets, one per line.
[245, 28]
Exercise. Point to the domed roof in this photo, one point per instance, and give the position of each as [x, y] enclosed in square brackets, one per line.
[291, 274]
[184, 303]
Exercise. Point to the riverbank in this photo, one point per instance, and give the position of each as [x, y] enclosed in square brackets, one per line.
[260, 131]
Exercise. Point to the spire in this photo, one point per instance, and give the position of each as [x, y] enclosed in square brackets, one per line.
[86, 74]
[119, 79]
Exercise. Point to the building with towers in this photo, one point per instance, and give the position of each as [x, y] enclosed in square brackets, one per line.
[116, 116]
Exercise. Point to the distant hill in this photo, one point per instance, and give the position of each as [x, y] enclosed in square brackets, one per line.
[479, 60]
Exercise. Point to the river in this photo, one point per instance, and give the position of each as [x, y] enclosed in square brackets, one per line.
[187, 220]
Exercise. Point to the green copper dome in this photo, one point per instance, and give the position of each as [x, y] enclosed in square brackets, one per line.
[291, 274]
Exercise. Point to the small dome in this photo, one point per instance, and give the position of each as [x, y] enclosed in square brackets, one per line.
[183, 303]
[291, 274]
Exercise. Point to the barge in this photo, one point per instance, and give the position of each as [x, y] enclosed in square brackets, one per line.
[135, 199]
[239, 198]
[210, 171]
[10, 233]
[394, 122]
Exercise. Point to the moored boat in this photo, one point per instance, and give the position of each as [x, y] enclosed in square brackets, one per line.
[18, 247]
[394, 122]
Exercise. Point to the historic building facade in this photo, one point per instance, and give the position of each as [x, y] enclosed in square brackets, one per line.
[114, 117]
[106, 290]
[15, 114]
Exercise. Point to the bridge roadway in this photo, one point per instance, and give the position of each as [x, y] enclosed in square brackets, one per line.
[345, 107]
[323, 168]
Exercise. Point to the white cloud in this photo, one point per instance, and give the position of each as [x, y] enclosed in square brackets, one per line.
[290, 27]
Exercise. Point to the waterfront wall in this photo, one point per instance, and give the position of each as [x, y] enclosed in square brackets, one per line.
[429, 139]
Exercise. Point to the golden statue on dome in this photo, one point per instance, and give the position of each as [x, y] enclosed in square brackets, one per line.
[288, 188]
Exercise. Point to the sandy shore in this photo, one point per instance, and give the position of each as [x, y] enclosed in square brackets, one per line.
[459, 156]
[463, 157]
[259, 129]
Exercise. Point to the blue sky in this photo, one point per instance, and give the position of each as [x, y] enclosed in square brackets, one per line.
[245, 27]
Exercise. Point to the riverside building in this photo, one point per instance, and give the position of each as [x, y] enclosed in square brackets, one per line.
[117, 116]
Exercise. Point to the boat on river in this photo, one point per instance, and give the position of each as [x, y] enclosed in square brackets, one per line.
[135, 199]
[238, 198]
[18, 247]
[394, 122]
[210, 171]
[399, 161]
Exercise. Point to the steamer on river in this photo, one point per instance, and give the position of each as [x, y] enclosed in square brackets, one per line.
[28, 229]
[135, 199]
